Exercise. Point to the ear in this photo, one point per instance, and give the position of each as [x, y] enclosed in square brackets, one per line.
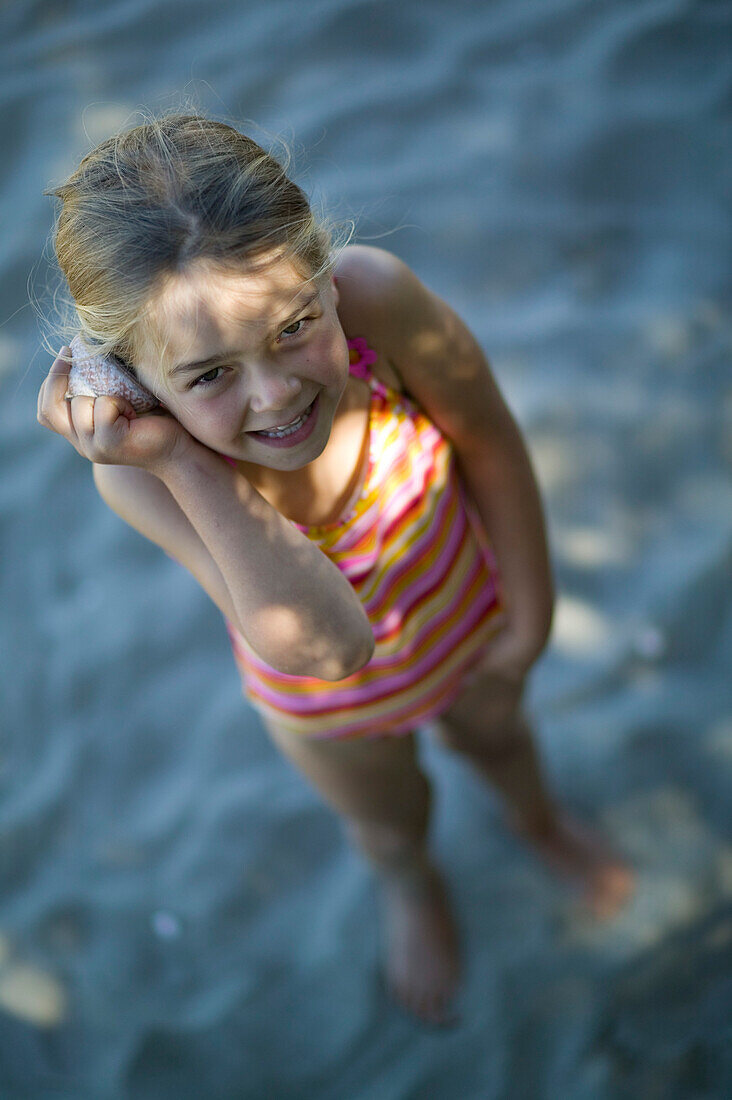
[336, 295]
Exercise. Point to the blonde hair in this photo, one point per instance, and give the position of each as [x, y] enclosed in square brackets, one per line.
[149, 200]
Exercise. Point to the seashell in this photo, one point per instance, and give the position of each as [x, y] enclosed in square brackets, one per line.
[96, 376]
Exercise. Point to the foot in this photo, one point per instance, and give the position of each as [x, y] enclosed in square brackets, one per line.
[575, 852]
[422, 963]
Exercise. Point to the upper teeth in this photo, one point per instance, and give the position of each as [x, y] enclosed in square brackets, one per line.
[287, 429]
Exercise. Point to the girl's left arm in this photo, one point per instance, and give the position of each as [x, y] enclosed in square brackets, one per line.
[443, 368]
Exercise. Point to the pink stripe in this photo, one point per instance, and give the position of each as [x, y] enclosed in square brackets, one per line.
[420, 549]
[399, 511]
[427, 532]
[410, 490]
[396, 674]
[411, 599]
[401, 718]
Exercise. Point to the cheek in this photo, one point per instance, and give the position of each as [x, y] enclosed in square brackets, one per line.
[330, 360]
[203, 419]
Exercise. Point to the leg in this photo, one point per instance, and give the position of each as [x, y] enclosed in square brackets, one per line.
[383, 799]
[489, 726]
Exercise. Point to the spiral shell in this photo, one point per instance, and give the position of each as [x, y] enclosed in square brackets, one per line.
[95, 376]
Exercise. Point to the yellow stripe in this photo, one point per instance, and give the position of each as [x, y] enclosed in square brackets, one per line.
[374, 713]
[402, 539]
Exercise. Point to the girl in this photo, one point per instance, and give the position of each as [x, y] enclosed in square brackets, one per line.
[337, 468]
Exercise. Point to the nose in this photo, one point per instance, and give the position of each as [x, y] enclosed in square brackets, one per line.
[270, 390]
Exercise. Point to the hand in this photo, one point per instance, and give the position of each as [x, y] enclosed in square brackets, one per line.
[510, 655]
[107, 430]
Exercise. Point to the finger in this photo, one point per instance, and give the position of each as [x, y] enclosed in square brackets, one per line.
[40, 399]
[109, 407]
[62, 362]
[56, 415]
[81, 416]
[111, 418]
[58, 376]
[58, 419]
[54, 386]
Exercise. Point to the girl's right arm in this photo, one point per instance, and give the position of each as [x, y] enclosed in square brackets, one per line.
[294, 607]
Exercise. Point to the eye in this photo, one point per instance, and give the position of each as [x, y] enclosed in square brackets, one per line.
[295, 328]
[208, 378]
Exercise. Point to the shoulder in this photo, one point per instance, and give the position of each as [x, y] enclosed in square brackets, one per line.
[431, 349]
[381, 299]
[367, 267]
[373, 287]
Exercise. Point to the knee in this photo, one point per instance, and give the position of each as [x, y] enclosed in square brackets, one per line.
[496, 734]
[461, 739]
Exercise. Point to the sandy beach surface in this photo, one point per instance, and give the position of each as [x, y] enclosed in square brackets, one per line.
[180, 918]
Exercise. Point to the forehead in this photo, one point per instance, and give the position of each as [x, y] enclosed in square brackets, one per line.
[205, 307]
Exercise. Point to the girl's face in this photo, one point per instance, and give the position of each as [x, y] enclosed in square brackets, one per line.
[254, 362]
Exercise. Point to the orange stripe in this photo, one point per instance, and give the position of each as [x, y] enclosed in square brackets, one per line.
[377, 717]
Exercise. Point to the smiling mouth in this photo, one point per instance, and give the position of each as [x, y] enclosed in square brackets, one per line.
[295, 428]
[286, 429]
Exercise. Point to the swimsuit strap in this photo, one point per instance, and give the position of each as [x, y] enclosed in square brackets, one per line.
[361, 356]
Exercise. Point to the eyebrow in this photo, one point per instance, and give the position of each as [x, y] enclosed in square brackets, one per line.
[220, 356]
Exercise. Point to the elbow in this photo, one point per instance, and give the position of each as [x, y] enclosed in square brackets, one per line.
[350, 660]
[287, 647]
[345, 648]
[367, 651]
[345, 660]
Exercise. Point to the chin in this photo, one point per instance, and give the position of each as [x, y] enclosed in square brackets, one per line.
[286, 463]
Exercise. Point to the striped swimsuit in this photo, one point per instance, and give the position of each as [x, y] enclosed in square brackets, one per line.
[413, 548]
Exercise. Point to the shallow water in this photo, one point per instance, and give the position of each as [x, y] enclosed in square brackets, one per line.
[179, 917]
